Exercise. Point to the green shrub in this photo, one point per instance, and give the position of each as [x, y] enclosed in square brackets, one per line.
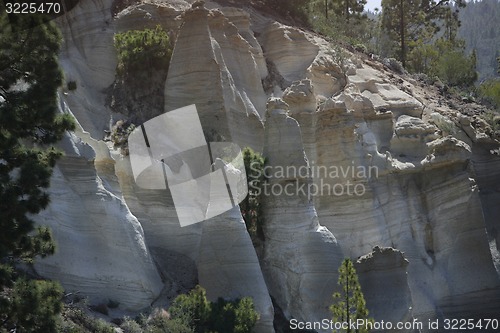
[193, 313]
[246, 316]
[490, 92]
[142, 49]
[456, 69]
[236, 316]
[192, 307]
[423, 57]
[446, 60]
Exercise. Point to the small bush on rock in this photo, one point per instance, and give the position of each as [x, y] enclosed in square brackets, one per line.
[142, 49]
[489, 91]
[143, 61]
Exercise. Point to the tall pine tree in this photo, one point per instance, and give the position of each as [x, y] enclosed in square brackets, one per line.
[342, 19]
[348, 9]
[407, 21]
[29, 124]
[349, 304]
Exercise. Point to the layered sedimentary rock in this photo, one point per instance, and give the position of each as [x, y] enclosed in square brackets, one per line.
[228, 66]
[101, 249]
[288, 49]
[386, 165]
[384, 269]
[88, 58]
[300, 257]
[183, 256]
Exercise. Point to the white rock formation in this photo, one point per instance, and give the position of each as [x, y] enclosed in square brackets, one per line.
[289, 49]
[384, 280]
[228, 66]
[411, 135]
[101, 249]
[301, 257]
[390, 167]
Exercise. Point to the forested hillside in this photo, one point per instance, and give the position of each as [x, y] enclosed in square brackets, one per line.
[481, 30]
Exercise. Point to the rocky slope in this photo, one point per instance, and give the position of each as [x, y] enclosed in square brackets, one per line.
[397, 176]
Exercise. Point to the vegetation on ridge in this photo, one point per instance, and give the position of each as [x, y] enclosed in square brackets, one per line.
[422, 35]
[143, 61]
[139, 50]
[425, 37]
[193, 313]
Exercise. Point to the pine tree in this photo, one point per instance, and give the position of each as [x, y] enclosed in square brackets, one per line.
[349, 305]
[349, 9]
[251, 208]
[349, 23]
[406, 21]
[29, 123]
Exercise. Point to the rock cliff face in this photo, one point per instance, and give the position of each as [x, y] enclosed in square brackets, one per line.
[101, 249]
[382, 163]
[300, 257]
